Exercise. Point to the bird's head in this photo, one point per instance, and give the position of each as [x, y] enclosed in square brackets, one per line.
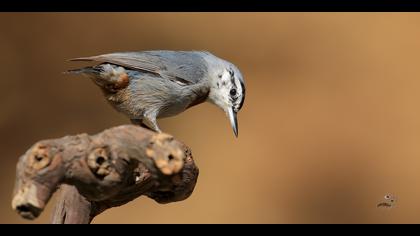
[228, 91]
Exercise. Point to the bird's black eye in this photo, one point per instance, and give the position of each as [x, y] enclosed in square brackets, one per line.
[233, 92]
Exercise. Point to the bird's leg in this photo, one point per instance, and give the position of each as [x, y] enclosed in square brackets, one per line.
[151, 123]
[140, 123]
[148, 121]
[136, 122]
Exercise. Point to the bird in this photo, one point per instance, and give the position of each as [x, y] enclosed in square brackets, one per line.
[148, 85]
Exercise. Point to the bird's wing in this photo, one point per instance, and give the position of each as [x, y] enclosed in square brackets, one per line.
[181, 67]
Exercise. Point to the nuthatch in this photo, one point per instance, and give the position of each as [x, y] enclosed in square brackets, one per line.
[154, 84]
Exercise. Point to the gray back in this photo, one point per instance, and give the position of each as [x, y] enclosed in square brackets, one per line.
[187, 67]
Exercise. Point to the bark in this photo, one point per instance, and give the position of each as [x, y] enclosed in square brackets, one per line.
[95, 173]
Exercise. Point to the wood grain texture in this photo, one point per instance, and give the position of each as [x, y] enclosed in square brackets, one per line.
[98, 172]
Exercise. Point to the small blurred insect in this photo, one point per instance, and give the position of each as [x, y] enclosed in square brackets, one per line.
[389, 201]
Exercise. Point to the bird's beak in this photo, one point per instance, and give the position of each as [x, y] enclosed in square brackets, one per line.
[233, 121]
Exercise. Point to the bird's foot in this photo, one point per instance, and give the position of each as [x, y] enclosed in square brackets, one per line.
[145, 123]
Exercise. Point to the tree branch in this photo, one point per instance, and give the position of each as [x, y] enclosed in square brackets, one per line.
[102, 171]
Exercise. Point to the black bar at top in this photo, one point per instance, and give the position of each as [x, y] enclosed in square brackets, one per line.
[208, 6]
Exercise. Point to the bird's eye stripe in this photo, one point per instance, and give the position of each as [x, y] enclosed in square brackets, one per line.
[243, 95]
[231, 72]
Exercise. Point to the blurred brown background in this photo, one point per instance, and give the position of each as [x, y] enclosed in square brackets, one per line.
[331, 121]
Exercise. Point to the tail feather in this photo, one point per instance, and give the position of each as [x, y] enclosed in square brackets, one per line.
[85, 70]
[105, 76]
[74, 71]
[82, 59]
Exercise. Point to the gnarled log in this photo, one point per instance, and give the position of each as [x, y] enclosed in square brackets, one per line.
[102, 171]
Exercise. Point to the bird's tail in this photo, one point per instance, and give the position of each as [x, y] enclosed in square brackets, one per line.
[106, 76]
[85, 70]
[93, 73]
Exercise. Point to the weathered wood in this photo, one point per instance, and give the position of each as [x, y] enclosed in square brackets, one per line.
[72, 208]
[102, 171]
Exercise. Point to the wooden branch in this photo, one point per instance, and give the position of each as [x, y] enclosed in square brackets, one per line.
[102, 171]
